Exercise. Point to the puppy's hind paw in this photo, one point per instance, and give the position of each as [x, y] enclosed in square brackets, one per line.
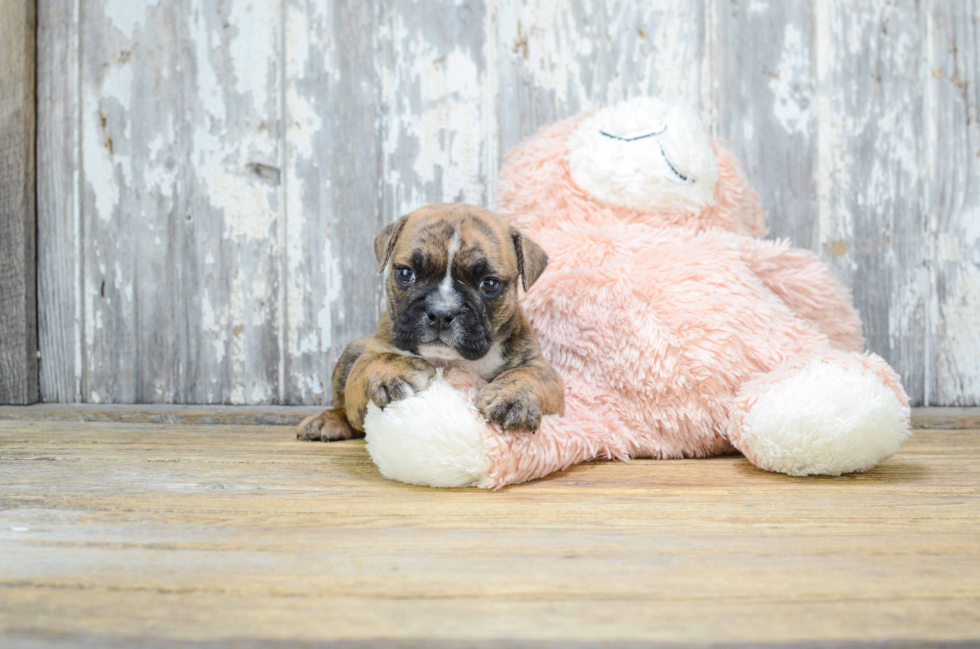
[328, 426]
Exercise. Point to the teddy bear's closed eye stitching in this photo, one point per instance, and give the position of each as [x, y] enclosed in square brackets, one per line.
[685, 179]
[633, 139]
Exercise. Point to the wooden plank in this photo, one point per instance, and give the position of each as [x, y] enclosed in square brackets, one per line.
[556, 59]
[22, 641]
[870, 174]
[922, 418]
[333, 189]
[953, 202]
[18, 227]
[172, 415]
[767, 108]
[205, 534]
[945, 418]
[59, 231]
[232, 192]
[181, 142]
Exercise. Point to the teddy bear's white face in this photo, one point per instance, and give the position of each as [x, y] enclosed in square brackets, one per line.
[645, 154]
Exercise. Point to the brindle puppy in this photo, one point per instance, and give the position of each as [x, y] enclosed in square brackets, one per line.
[452, 301]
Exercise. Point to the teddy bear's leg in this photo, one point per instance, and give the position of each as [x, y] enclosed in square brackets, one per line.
[830, 413]
[808, 287]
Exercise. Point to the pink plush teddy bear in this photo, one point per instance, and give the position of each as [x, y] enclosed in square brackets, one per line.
[678, 331]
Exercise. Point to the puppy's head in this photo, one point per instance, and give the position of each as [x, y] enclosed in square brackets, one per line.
[452, 287]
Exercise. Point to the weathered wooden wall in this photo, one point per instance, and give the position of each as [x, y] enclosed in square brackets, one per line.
[18, 225]
[212, 172]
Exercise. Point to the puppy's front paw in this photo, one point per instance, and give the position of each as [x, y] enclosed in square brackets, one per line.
[400, 381]
[328, 426]
[510, 406]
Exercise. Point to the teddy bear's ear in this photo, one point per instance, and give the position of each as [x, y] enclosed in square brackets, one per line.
[384, 241]
[531, 259]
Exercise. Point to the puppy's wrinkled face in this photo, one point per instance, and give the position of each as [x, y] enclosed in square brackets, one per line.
[453, 278]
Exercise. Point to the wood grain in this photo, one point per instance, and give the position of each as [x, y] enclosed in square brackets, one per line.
[208, 534]
[953, 202]
[930, 418]
[179, 415]
[59, 229]
[18, 217]
[219, 250]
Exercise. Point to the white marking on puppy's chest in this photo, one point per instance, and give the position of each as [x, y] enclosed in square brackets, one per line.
[438, 352]
[489, 366]
[486, 368]
[446, 285]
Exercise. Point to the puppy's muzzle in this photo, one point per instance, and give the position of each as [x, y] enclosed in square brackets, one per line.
[441, 316]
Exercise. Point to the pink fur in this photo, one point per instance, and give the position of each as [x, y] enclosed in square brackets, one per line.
[664, 326]
[750, 392]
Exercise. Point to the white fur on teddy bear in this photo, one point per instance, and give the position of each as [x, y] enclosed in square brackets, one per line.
[826, 419]
[434, 438]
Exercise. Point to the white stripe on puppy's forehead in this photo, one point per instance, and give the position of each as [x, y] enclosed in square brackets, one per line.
[446, 285]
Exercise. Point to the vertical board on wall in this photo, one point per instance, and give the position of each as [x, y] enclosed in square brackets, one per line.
[953, 202]
[869, 143]
[332, 175]
[59, 237]
[18, 223]
[231, 204]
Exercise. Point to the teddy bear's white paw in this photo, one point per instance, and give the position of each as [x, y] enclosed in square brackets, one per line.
[434, 438]
[827, 417]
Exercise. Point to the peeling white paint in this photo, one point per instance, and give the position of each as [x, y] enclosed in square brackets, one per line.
[304, 124]
[237, 396]
[160, 175]
[958, 309]
[260, 394]
[127, 15]
[531, 37]
[434, 135]
[248, 204]
[961, 340]
[256, 31]
[790, 84]
[835, 219]
[216, 330]
[100, 168]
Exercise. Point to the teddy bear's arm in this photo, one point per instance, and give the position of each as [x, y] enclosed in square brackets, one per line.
[808, 287]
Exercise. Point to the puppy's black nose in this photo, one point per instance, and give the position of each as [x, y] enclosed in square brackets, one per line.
[441, 316]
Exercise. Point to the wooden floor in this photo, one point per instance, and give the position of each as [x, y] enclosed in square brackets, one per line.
[115, 532]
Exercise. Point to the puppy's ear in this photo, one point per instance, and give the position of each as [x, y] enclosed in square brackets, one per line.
[384, 241]
[531, 259]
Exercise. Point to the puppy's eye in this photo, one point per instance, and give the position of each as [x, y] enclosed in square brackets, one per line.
[490, 285]
[404, 274]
